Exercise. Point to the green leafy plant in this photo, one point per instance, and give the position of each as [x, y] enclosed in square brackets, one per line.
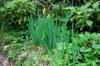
[84, 15]
[45, 33]
[42, 31]
[16, 12]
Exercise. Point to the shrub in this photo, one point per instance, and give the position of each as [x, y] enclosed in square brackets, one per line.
[86, 16]
[16, 12]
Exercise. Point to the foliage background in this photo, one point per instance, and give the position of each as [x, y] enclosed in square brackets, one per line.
[64, 32]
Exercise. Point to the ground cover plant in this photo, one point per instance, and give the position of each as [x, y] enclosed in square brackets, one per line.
[49, 33]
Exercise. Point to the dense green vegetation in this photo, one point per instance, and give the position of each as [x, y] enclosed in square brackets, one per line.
[50, 32]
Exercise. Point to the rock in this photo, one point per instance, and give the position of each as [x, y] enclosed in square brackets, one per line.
[6, 47]
[41, 50]
[24, 55]
[6, 63]
[2, 58]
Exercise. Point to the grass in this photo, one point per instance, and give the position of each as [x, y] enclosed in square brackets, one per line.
[42, 32]
[45, 33]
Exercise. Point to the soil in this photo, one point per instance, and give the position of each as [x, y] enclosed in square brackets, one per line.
[2, 59]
